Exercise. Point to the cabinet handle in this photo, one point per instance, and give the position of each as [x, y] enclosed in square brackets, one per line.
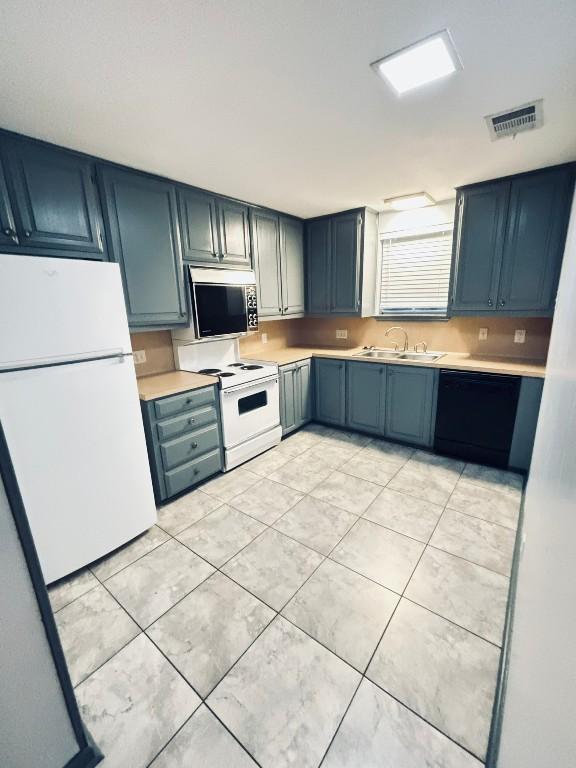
[502, 302]
[285, 309]
[489, 302]
[191, 421]
[27, 233]
[196, 471]
[9, 232]
[280, 309]
[194, 446]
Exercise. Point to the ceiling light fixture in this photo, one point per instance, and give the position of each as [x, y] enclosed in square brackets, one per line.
[409, 202]
[420, 63]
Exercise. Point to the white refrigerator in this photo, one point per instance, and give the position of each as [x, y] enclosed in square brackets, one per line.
[70, 409]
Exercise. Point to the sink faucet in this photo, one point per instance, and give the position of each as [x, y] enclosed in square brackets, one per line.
[399, 328]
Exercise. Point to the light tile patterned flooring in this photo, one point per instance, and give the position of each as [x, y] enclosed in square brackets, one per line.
[337, 601]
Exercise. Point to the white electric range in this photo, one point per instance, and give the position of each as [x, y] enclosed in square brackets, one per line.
[249, 395]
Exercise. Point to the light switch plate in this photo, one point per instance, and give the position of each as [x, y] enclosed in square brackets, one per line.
[482, 334]
[139, 356]
[342, 334]
[519, 337]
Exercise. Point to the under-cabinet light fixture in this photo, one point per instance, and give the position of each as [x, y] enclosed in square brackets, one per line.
[420, 63]
[409, 202]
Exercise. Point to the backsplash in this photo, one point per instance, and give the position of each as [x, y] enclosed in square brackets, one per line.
[158, 348]
[459, 334]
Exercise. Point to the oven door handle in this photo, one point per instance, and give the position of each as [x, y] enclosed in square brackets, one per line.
[249, 385]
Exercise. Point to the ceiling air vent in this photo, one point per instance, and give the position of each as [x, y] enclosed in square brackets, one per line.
[523, 118]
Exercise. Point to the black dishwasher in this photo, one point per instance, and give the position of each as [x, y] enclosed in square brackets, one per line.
[476, 415]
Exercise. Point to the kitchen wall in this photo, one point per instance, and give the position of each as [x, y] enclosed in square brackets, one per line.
[539, 705]
[158, 348]
[454, 335]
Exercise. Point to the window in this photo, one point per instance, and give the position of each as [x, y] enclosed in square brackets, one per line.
[415, 273]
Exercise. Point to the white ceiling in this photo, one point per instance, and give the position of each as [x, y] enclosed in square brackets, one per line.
[273, 101]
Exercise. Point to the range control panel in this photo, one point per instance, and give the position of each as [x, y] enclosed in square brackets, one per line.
[252, 307]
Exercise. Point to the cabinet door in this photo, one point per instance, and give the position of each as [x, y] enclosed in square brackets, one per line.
[266, 245]
[537, 222]
[304, 392]
[234, 234]
[292, 265]
[288, 398]
[479, 243]
[198, 221]
[410, 404]
[330, 391]
[144, 239]
[318, 296]
[345, 263]
[7, 226]
[525, 425]
[55, 201]
[366, 396]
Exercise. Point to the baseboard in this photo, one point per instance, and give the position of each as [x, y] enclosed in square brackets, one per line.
[500, 695]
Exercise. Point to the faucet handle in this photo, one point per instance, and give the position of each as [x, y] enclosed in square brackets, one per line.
[423, 345]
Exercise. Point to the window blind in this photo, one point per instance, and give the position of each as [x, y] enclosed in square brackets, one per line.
[415, 274]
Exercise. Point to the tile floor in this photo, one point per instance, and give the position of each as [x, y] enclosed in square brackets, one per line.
[337, 601]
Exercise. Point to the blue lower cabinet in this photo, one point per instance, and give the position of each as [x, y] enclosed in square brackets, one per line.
[366, 396]
[525, 424]
[186, 448]
[411, 395]
[295, 395]
[330, 391]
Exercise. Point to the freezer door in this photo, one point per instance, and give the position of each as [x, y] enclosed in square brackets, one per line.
[77, 443]
[59, 309]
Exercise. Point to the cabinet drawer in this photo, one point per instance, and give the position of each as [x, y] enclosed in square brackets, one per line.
[189, 447]
[170, 406]
[189, 422]
[192, 473]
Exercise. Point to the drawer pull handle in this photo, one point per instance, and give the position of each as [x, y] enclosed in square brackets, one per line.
[196, 471]
[189, 400]
[194, 445]
[191, 421]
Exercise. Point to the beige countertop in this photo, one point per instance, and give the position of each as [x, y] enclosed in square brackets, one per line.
[451, 360]
[172, 383]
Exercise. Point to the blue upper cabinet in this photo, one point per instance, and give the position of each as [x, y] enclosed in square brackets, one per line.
[318, 285]
[142, 228]
[8, 235]
[215, 230]
[199, 225]
[366, 396]
[411, 404]
[266, 247]
[52, 197]
[537, 223]
[509, 242]
[292, 265]
[234, 234]
[479, 244]
[341, 263]
[345, 267]
[330, 391]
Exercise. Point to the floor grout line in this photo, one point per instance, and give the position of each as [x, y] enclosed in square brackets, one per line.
[278, 613]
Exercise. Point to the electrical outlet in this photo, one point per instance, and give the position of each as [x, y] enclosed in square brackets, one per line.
[139, 356]
[519, 337]
[341, 334]
[264, 338]
[482, 334]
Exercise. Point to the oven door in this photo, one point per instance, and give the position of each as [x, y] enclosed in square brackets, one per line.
[219, 310]
[249, 410]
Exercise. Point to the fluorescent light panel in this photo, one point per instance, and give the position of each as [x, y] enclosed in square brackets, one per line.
[409, 202]
[421, 63]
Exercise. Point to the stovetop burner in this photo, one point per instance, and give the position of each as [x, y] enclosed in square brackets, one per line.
[210, 371]
[251, 367]
[226, 373]
[235, 365]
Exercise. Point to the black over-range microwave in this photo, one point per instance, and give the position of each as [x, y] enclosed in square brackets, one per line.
[223, 302]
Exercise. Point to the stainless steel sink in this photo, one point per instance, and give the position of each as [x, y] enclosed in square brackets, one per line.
[382, 354]
[422, 356]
